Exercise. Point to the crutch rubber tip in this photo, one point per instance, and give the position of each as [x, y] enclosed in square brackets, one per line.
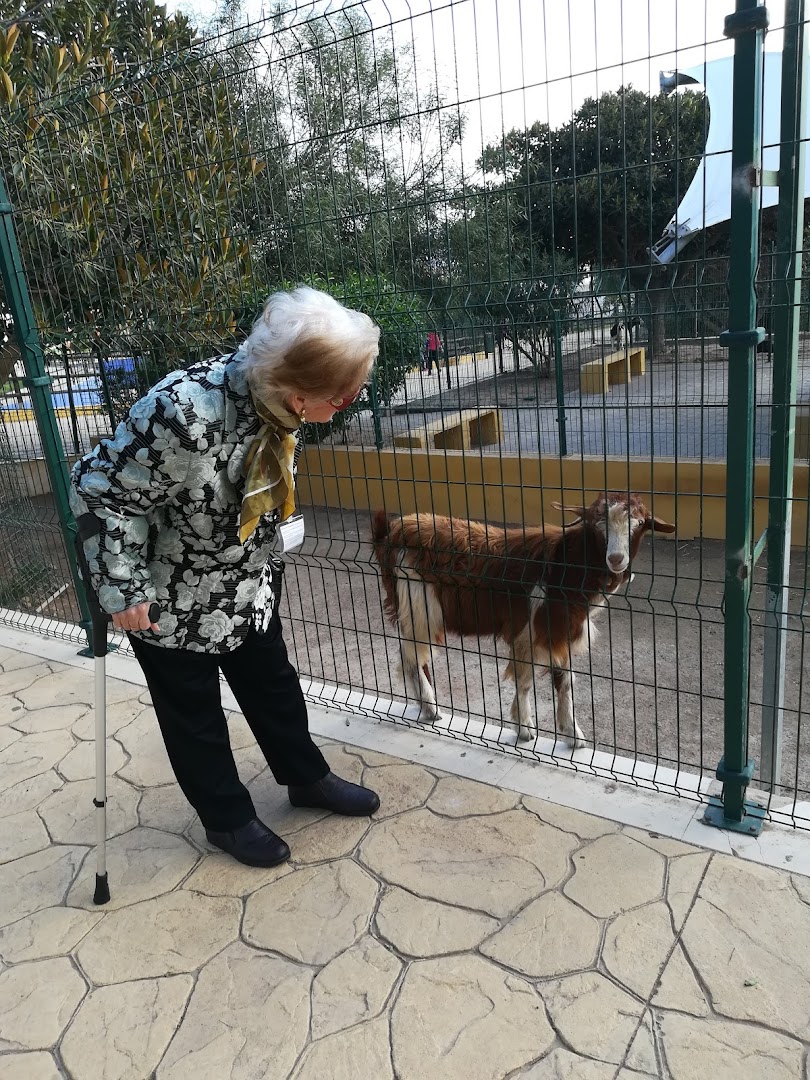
[102, 893]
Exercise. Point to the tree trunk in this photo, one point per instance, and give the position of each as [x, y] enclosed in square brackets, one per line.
[657, 299]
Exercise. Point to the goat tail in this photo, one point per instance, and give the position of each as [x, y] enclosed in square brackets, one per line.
[380, 535]
[379, 526]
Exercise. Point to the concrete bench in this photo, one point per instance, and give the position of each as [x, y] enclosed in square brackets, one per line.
[457, 431]
[597, 376]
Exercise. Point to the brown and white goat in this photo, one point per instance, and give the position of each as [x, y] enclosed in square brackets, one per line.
[534, 588]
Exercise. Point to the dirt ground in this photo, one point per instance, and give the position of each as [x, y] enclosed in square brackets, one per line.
[652, 686]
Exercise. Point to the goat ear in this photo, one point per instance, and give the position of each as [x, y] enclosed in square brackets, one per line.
[659, 525]
[578, 510]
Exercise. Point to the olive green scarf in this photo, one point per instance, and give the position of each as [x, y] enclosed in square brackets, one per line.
[269, 483]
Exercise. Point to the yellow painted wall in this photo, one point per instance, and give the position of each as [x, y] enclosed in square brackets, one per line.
[513, 489]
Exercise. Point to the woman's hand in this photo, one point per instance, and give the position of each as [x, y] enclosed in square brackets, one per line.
[135, 618]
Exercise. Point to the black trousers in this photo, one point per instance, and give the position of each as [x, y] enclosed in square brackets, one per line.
[186, 697]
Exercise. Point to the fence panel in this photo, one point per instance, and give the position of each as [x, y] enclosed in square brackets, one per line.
[501, 176]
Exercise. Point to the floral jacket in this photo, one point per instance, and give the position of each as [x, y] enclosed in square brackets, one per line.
[167, 491]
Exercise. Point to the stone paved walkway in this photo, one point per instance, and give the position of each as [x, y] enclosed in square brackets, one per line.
[467, 933]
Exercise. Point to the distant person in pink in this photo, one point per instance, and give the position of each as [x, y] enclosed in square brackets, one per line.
[432, 352]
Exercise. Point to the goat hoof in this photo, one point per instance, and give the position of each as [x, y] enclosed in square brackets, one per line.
[429, 714]
[526, 734]
[577, 740]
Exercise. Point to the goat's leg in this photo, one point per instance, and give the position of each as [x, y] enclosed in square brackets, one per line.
[564, 721]
[413, 606]
[521, 669]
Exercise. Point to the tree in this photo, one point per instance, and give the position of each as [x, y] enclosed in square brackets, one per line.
[601, 187]
[122, 158]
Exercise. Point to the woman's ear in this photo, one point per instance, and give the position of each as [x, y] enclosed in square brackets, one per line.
[295, 403]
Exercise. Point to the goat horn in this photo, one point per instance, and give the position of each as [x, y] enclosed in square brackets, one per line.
[578, 510]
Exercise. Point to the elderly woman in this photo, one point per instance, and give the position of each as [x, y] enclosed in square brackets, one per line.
[182, 508]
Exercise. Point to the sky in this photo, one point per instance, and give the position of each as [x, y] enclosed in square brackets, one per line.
[509, 63]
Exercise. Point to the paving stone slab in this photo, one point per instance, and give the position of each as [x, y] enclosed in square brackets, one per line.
[121, 1032]
[697, 1049]
[582, 825]
[239, 732]
[29, 794]
[10, 709]
[9, 735]
[400, 787]
[615, 873]
[250, 763]
[748, 935]
[345, 765]
[53, 718]
[561, 1064]
[593, 1016]
[332, 837]
[802, 887]
[551, 936]
[11, 659]
[361, 1051]
[313, 914]
[22, 834]
[664, 845]
[36, 1066]
[637, 946]
[80, 762]
[456, 797]
[463, 1018]
[683, 880]
[424, 928]
[31, 755]
[148, 764]
[141, 864]
[155, 938]
[71, 686]
[372, 758]
[165, 808]
[118, 716]
[220, 875]
[53, 931]
[37, 1001]
[16, 680]
[70, 816]
[37, 881]
[353, 987]
[679, 989]
[641, 1055]
[248, 1018]
[493, 864]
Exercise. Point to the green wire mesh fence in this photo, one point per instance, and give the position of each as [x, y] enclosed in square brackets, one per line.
[492, 182]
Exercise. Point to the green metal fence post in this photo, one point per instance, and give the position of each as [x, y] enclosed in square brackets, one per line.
[558, 372]
[374, 396]
[747, 27]
[38, 383]
[785, 327]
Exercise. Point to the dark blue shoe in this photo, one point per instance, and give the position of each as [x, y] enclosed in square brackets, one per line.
[339, 796]
[252, 844]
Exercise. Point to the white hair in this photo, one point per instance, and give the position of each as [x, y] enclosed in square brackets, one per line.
[307, 341]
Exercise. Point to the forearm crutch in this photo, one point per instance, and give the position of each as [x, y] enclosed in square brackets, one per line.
[87, 527]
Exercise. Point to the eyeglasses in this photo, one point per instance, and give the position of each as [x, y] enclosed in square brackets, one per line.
[341, 403]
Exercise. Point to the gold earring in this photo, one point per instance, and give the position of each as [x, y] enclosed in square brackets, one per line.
[303, 416]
